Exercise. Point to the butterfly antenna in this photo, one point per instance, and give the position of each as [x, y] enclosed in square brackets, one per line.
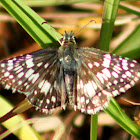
[85, 26]
[54, 33]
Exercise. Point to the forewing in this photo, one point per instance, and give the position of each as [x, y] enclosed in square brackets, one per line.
[100, 76]
[38, 76]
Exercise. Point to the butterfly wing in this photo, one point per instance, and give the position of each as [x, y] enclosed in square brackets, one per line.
[38, 75]
[100, 76]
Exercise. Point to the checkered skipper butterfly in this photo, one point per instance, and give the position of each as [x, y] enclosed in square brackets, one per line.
[85, 78]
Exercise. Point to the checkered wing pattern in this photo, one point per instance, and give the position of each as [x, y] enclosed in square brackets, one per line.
[86, 78]
[37, 75]
[102, 75]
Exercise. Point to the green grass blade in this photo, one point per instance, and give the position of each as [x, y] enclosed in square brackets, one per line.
[55, 2]
[130, 47]
[31, 22]
[134, 10]
[109, 16]
[122, 119]
[94, 127]
[24, 131]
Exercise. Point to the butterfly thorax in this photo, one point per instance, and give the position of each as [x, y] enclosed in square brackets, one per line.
[67, 58]
[67, 52]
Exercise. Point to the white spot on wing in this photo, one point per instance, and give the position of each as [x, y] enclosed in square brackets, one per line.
[41, 84]
[9, 68]
[2, 65]
[53, 99]
[108, 94]
[48, 101]
[83, 110]
[10, 63]
[35, 92]
[107, 56]
[20, 74]
[106, 72]
[125, 67]
[96, 101]
[6, 74]
[132, 65]
[115, 82]
[29, 72]
[39, 64]
[99, 75]
[29, 63]
[3, 70]
[106, 62]
[124, 76]
[89, 89]
[80, 85]
[117, 69]
[96, 64]
[121, 80]
[132, 83]
[115, 74]
[87, 101]
[128, 73]
[46, 65]
[127, 86]
[28, 56]
[11, 76]
[121, 89]
[7, 87]
[120, 58]
[115, 92]
[36, 76]
[17, 68]
[14, 59]
[33, 77]
[90, 65]
[136, 79]
[124, 62]
[82, 99]
[90, 111]
[46, 86]
[19, 82]
[94, 85]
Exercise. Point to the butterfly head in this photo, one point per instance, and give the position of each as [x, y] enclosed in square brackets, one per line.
[68, 37]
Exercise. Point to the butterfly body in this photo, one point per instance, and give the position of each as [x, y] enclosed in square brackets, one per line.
[67, 58]
[85, 78]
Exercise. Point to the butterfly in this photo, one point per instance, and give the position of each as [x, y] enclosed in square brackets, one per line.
[83, 78]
